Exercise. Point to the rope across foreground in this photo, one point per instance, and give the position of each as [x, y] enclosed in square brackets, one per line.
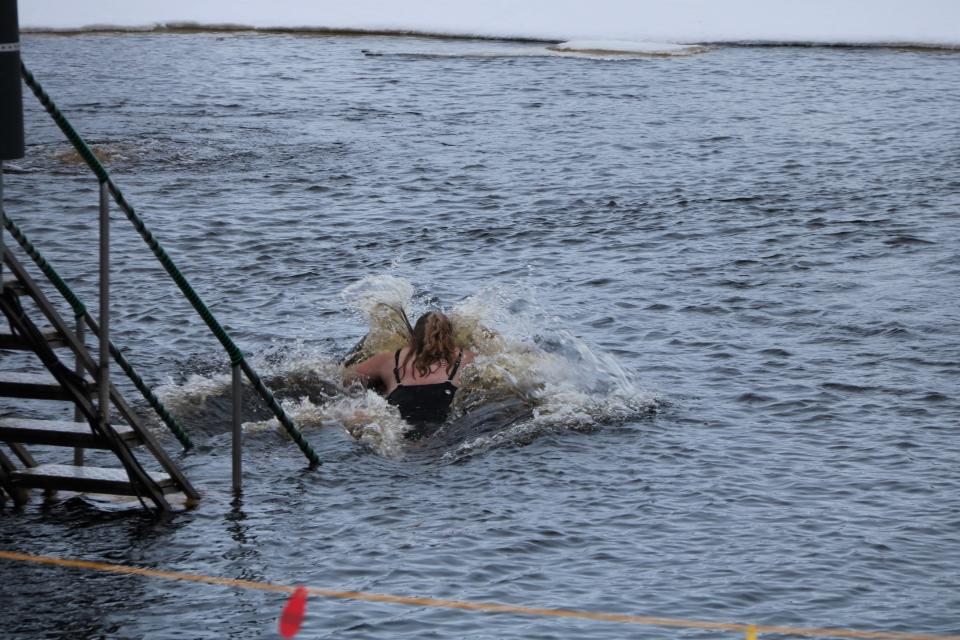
[751, 631]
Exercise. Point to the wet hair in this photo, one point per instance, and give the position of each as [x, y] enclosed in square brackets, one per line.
[431, 341]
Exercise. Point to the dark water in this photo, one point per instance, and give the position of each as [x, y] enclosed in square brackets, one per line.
[765, 240]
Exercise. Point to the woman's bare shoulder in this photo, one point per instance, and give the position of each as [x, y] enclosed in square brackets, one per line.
[383, 357]
[374, 362]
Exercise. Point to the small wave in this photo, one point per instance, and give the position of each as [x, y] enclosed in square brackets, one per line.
[903, 241]
[434, 51]
[16, 169]
[848, 388]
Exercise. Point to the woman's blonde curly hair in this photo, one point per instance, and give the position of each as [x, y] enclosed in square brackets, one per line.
[431, 341]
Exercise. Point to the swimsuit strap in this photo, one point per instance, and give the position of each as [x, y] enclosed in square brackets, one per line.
[396, 369]
[456, 365]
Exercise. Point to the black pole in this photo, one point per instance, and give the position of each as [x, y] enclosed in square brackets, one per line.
[11, 98]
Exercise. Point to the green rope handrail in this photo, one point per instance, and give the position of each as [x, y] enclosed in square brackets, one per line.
[80, 311]
[236, 356]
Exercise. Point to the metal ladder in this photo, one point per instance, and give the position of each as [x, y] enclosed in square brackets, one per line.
[89, 385]
[90, 429]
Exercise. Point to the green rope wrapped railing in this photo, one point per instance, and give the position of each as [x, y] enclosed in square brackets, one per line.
[236, 355]
[80, 311]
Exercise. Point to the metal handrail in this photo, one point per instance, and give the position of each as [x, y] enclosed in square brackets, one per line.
[237, 360]
[85, 319]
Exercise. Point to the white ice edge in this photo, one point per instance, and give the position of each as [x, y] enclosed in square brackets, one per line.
[682, 46]
[625, 47]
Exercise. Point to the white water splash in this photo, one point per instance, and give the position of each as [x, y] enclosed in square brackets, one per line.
[366, 417]
[372, 422]
[522, 358]
[193, 392]
[543, 373]
[563, 380]
[372, 292]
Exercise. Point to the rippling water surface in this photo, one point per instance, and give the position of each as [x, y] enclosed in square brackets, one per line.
[727, 285]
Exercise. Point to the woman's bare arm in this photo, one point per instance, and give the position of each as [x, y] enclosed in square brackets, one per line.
[366, 371]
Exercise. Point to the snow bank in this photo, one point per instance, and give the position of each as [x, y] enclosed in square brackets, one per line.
[877, 22]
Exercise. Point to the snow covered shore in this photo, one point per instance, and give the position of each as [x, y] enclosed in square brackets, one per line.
[933, 23]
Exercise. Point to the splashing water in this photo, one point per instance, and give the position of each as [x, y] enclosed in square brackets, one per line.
[529, 377]
[192, 393]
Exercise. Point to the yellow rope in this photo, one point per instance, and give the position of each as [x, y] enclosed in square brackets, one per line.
[488, 607]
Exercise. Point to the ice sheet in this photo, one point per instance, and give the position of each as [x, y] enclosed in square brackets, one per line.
[918, 22]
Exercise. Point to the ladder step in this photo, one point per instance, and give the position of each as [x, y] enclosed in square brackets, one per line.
[61, 433]
[84, 479]
[39, 386]
[10, 341]
[11, 282]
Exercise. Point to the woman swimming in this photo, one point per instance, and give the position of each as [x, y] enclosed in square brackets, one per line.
[421, 378]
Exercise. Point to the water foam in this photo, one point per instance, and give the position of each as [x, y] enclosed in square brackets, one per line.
[192, 393]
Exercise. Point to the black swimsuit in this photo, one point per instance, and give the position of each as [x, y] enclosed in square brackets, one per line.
[424, 406]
